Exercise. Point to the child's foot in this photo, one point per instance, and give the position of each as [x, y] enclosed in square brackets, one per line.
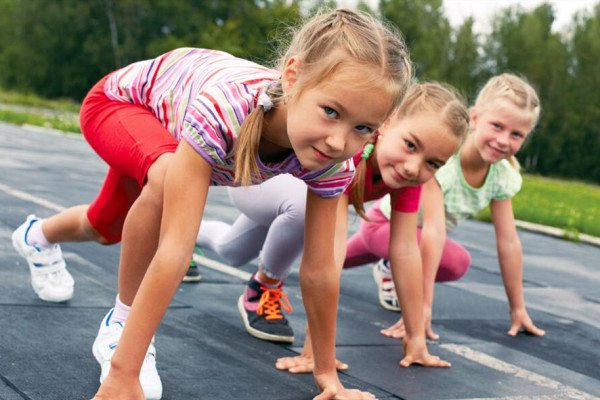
[104, 348]
[260, 308]
[387, 292]
[193, 272]
[49, 276]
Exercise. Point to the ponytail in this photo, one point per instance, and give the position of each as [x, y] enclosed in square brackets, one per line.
[357, 189]
[246, 147]
[512, 160]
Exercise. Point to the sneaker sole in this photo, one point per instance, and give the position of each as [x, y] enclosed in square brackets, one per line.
[192, 278]
[62, 299]
[382, 301]
[255, 332]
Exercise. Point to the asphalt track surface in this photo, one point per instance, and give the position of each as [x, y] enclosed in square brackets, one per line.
[204, 351]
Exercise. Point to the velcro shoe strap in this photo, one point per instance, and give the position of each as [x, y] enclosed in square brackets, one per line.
[48, 269]
[48, 258]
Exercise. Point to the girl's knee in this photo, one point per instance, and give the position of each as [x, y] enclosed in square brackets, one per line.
[96, 236]
[155, 179]
[455, 269]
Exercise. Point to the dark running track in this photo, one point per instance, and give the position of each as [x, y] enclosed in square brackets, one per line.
[204, 351]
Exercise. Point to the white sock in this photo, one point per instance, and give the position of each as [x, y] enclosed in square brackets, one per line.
[120, 313]
[35, 235]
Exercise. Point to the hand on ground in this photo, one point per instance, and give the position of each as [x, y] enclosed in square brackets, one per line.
[332, 389]
[415, 352]
[428, 329]
[396, 331]
[520, 320]
[302, 364]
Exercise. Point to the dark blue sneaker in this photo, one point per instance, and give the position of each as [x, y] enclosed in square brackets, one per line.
[193, 273]
[261, 309]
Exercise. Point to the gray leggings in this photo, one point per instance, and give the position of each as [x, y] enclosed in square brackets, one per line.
[271, 225]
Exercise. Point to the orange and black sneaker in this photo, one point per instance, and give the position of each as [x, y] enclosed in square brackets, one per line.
[262, 309]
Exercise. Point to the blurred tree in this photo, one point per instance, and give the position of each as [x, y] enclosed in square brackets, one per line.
[584, 103]
[427, 33]
[464, 60]
[523, 43]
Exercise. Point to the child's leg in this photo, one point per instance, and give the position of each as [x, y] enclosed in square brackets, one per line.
[141, 231]
[71, 225]
[374, 238]
[454, 263]
[278, 205]
[237, 244]
[357, 253]
[138, 149]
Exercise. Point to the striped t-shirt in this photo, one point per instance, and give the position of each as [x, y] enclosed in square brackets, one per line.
[203, 96]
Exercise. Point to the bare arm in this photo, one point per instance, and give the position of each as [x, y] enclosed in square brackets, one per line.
[510, 257]
[433, 238]
[405, 261]
[186, 187]
[320, 269]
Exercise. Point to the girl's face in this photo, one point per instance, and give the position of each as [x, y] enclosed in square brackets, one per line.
[499, 129]
[413, 148]
[330, 122]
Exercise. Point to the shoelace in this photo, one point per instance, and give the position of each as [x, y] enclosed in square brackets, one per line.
[271, 302]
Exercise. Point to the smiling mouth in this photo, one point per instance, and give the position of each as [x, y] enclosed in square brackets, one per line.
[399, 177]
[497, 151]
[321, 156]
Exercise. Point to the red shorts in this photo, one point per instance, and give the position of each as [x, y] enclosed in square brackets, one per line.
[130, 139]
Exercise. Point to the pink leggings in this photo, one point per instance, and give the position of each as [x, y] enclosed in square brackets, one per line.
[371, 243]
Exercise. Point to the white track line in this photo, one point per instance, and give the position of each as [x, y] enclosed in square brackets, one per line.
[561, 391]
[31, 198]
[217, 266]
[206, 262]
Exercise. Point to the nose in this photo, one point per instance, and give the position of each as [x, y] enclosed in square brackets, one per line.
[503, 139]
[336, 141]
[411, 168]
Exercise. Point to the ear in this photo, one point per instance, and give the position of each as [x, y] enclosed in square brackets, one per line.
[386, 124]
[290, 74]
[473, 116]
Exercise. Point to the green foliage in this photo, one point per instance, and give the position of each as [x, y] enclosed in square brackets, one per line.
[60, 48]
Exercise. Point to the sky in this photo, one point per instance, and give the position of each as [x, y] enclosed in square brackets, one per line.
[482, 10]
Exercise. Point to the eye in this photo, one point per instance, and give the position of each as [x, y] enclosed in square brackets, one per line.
[364, 129]
[433, 165]
[330, 112]
[517, 135]
[410, 145]
[497, 126]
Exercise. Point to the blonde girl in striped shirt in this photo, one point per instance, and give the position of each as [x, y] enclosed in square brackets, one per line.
[172, 126]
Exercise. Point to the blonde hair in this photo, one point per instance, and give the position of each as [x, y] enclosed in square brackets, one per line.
[518, 91]
[440, 99]
[327, 42]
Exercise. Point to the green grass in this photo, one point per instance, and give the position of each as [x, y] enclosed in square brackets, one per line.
[30, 100]
[62, 122]
[568, 205]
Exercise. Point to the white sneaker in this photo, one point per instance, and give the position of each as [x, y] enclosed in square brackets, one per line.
[49, 276]
[385, 282]
[104, 348]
